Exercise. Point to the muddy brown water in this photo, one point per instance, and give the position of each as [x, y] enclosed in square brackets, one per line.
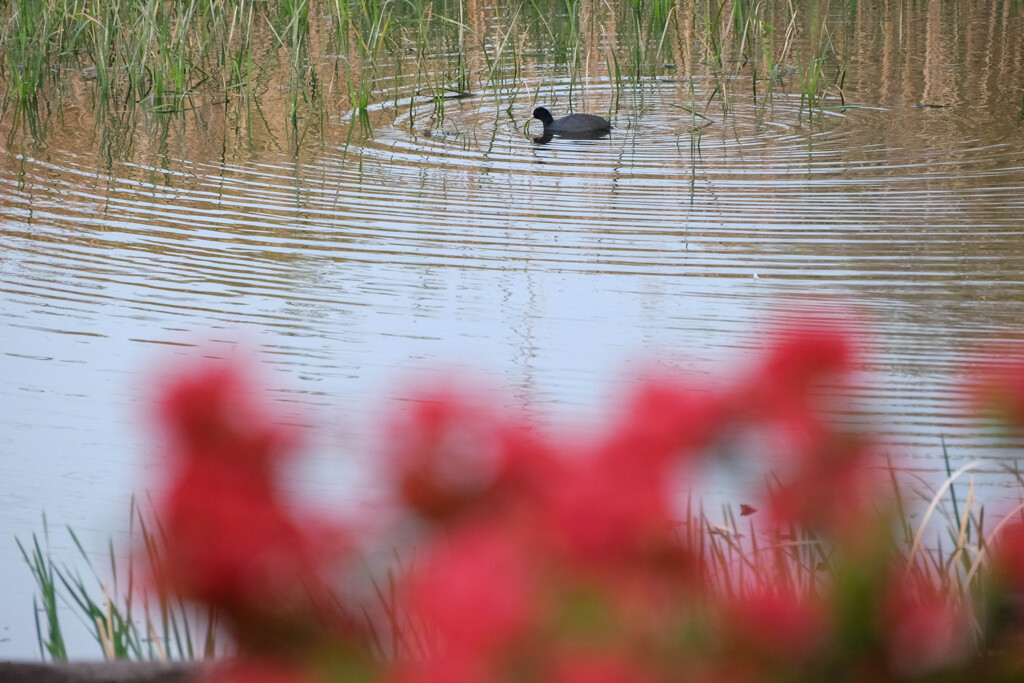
[548, 271]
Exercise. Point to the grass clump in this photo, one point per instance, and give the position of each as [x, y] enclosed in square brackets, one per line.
[123, 615]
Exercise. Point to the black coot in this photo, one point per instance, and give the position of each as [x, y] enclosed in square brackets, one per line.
[573, 124]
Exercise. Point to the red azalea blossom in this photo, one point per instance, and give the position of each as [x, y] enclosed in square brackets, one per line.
[443, 668]
[924, 632]
[801, 357]
[238, 549]
[664, 423]
[584, 666]
[1008, 556]
[998, 386]
[445, 455]
[213, 414]
[231, 541]
[601, 516]
[772, 625]
[612, 506]
[570, 561]
[478, 592]
[831, 491]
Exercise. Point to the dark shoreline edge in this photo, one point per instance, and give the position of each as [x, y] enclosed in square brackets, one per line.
[95, 672]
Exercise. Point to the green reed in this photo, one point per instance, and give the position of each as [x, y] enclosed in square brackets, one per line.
[170, 56]
[819, 59]
[120, 616]
[151, 52]
[241, 70]
[503, 64]
[43, 571]
[25, 42]
[371, 28]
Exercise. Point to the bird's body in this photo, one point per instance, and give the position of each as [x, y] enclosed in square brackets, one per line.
[573, 124]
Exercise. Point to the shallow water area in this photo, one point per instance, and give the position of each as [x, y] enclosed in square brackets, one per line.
[351, 253]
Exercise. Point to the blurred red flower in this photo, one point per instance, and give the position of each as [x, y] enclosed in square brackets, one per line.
[444, 455]
[770, 626]
[923, 629]
[477, 590]
[1008, 556]
[599, 666]
[231, 542]
[570, 561]
[997, 385]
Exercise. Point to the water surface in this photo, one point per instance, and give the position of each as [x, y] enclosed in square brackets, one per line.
[363, 253]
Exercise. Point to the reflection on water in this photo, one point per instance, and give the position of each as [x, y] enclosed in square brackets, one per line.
[550, 268]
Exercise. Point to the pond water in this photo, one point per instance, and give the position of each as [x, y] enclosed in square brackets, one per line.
[370, 248]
